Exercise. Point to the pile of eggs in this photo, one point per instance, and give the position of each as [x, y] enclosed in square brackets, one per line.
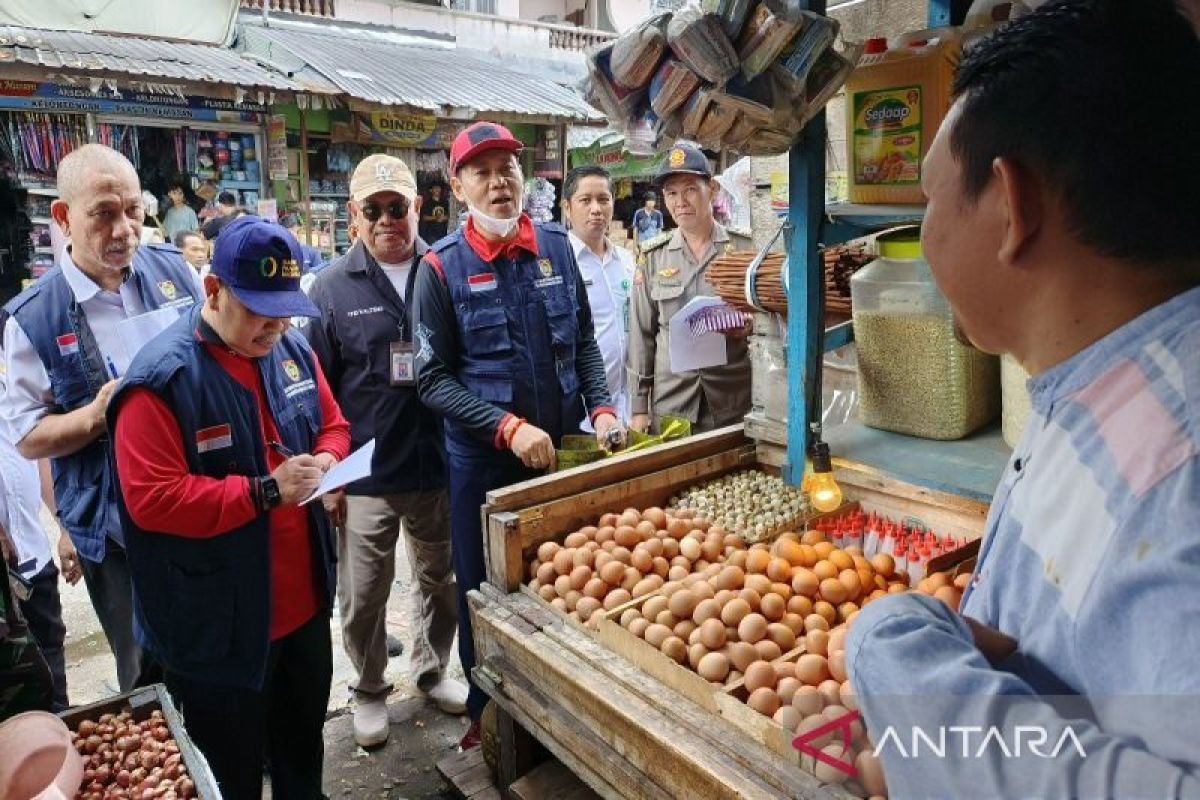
[626, 556]
[750, 503]
[758, 603]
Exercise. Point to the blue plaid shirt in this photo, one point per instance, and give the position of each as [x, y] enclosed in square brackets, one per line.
[1091, 561]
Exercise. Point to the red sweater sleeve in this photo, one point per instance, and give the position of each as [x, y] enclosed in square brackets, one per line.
[334, 436]
[159, 490]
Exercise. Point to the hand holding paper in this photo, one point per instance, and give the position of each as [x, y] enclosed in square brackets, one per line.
[357, 465]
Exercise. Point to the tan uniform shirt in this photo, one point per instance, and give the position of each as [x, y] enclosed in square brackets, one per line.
[670, 277]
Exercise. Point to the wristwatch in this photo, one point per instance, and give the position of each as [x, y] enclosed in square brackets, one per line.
[268, 493]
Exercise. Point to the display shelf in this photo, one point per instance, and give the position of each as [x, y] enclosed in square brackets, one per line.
[43, 249]
[846, 221]
[45, 191]
[328, 194]
[41, 220]
[249, 185]
[969, 467]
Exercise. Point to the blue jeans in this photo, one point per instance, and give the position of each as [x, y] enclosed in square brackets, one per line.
[472, 476]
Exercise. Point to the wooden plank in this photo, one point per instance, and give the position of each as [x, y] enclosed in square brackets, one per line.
[720, 736]
[516, 749]
[584, 753]
[457, 763]
[614, 470]
[551, 780]
[653, 741]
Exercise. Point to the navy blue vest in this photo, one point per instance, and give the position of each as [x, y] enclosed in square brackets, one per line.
[203, 606]
[54, 322]
[518, 331]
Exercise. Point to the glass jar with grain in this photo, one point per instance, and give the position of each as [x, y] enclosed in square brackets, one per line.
[914, 376]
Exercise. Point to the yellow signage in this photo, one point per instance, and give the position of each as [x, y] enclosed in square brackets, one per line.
[403, 129]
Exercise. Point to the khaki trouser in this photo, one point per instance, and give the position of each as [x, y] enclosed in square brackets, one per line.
[366, 568]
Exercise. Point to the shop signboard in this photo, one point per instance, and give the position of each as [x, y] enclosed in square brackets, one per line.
[32, 96]
[613, 156]
[277, 152]
[401, 129]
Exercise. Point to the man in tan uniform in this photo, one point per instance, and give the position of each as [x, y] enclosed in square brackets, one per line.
[671, 271]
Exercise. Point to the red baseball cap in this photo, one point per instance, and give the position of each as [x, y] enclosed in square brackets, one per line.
[479, 137]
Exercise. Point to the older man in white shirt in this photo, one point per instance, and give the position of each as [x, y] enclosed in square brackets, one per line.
[606, 268]
[64, 348]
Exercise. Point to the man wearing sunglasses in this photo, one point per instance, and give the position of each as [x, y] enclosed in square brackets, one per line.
[363, 340]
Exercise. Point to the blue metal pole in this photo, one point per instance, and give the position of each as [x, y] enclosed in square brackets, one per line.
[939, 13]
[806, 207]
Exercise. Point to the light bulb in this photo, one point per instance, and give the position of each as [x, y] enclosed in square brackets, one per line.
[824, 492]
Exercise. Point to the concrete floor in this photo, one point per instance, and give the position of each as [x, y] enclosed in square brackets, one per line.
[402, 770]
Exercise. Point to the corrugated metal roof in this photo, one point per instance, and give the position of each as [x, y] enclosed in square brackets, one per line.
[158, 58]
[369, 65]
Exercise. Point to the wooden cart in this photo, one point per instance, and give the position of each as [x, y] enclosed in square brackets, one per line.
[605, 714]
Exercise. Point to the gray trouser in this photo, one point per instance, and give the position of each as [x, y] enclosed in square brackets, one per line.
[366, 568]
[110, 587]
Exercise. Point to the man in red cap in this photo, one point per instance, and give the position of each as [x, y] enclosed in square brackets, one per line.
[506, 351]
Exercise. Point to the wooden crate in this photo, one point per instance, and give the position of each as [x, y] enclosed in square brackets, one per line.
[616, 711]
[619, 729]
[141, 703]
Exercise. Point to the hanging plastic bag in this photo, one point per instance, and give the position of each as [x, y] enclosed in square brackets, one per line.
[699, 40]
[637, 53]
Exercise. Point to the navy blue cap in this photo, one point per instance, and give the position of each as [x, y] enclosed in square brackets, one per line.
[261, 262]
[684, 158]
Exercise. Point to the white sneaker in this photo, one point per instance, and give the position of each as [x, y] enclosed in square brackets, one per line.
[370, 721]
[450, 695]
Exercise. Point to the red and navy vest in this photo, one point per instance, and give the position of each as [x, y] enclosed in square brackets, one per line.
[203, 606]
[518, 330]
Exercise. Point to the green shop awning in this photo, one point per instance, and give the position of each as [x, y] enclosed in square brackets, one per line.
[612, 155]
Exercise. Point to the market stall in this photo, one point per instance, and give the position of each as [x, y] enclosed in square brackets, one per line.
[611, 628]
[184, 114]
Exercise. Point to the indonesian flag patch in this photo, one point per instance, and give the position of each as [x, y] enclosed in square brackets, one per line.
[483, 282]
[214, 438]
[68, 343]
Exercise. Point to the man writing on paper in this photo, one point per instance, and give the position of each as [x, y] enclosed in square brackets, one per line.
[223, 426]
[63, 348]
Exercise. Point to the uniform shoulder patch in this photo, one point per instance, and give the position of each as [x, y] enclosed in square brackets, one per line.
[655, 242]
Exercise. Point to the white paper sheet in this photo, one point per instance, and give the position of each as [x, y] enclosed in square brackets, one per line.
[357, 465]
[690, 352]
[137, 332]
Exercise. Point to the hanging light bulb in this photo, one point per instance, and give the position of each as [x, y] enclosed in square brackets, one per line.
[823, 491]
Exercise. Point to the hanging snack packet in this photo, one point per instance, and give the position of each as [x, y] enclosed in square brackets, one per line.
[798, 58]
[767, 142]
[615, 101]
[693, 112]
[772, 26]
[717, 122]
[635, 55]
[827, 76]
[671, 86]
[700, 42]
[732, 14]
[737, 136]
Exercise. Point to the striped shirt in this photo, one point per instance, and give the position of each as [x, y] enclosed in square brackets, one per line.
[1091, 561]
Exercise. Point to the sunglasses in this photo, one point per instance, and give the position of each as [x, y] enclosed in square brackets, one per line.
[397, 210]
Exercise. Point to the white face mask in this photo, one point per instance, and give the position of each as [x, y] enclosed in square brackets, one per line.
[502, 228]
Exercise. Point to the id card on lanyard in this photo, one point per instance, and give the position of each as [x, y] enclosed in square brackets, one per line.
[402, 364]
